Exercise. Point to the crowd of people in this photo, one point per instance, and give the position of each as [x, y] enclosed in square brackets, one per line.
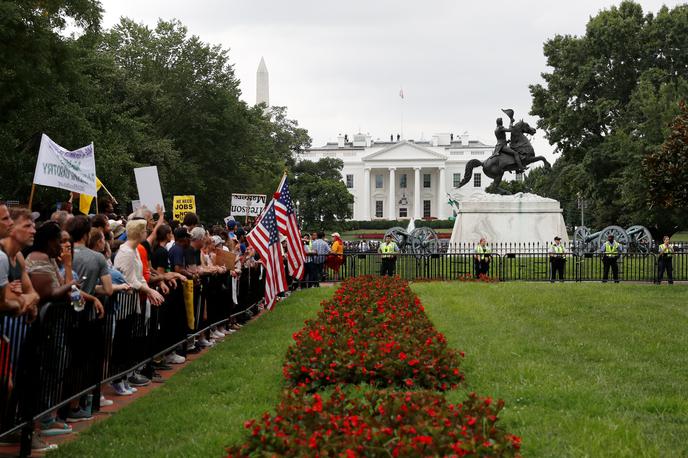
[80, 259]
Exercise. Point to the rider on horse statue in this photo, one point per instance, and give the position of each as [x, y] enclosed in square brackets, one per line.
[502, 145]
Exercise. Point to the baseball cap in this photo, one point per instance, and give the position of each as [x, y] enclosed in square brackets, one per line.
[217, 240]
[557, 238]
[197, 233]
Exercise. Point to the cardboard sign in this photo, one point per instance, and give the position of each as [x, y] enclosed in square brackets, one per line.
[228, 219]
[182, 205]
[247, 204]
[225, 258]
[70, 170]
[148, 184]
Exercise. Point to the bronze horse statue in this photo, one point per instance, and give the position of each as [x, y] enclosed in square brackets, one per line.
[495, 166]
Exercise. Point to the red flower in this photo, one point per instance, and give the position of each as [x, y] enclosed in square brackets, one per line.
[402, 356]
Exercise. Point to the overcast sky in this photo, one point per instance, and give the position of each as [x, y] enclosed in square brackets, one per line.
[339, 66]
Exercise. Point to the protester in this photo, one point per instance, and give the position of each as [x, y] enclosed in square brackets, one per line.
[336, 257]
[320, 250]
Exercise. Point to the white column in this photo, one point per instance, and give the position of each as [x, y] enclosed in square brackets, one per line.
[441, 192]
[392, 187]
[417, 211]
[366, 195]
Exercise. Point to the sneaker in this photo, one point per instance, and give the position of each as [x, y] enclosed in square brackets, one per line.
[217, 334]
[156, 378]
[161, 366]
[203, 343]
[105, 402]
[174, 358]
[129, 387]
[39, 445]
[54, 428]
[75, 416]
[194, 350]
[231, 331]
[138, 380]
[121, 389]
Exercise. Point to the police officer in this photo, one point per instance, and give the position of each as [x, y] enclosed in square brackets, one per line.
[481, 258]
[389, 250]
[666, 250]
[557, 260]
[611, 250]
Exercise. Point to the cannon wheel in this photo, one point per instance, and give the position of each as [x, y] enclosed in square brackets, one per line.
[620, 235]
[580, 240]
[640, 239]
[399, 235]
[424, 241]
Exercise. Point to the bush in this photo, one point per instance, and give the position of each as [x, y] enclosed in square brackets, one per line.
[354, 422]
[374, 331]
[354, 225]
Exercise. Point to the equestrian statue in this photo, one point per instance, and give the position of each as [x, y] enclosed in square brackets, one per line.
[512, 155]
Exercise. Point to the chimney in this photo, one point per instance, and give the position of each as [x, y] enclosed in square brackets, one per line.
[340, 141]
[464, 138]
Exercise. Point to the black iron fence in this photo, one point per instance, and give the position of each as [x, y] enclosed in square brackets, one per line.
[508, 262]
[64, 354]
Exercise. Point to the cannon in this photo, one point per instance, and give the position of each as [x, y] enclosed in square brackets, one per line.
[635, 239]
[420, 241]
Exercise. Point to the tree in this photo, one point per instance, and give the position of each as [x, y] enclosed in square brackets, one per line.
[667, 168]
[606, 105]
[321, 194]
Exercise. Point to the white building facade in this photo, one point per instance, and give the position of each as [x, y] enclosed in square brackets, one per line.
[405, 179]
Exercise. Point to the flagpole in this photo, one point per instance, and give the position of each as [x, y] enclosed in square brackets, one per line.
[33, 190]
[109, 194]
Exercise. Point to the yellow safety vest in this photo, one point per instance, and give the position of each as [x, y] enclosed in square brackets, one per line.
[666, 250]
[387, 248]
[611, 250]
[558, 250]
[483, 251]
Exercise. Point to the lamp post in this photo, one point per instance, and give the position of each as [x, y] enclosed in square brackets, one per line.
[581, 206]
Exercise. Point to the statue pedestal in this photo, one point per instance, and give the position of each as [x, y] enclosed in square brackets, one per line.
[520, 218]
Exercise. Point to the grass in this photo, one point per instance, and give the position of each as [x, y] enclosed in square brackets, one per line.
[585, 370]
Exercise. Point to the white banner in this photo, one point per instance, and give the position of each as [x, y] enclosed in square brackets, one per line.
[71, 170]
[247, 204]
[148, 185]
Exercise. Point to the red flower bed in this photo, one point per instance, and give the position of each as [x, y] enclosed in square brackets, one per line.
[373, 423]
[373, 342]
[373, 331]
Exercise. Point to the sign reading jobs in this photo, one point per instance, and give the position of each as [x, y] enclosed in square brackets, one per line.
[183, 205]
[247, 204]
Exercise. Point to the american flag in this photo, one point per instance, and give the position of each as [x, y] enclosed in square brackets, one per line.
[289, 227]
[265, 239]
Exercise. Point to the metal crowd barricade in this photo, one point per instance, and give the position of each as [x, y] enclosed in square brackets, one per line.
[65, 354]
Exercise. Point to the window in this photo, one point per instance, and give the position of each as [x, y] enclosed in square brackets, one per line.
[378, 181]
[476, 180]
[402, 181]
[426, 180]
[426, 209]
[476, 153]
[403, 212]
[349, 181]
[457, 180]
[378, 209]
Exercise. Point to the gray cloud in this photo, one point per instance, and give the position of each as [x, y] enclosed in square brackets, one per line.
[339, 66]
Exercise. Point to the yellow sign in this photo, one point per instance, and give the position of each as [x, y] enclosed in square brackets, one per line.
[182, 205]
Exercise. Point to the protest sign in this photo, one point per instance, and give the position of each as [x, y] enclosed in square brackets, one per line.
[225, 258]
[70, 170]
[135, 205]
[247, 204]
[228, 219]
[181, 205]
[148, 184]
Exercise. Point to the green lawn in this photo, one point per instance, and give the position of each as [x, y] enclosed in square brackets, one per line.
[585, 370]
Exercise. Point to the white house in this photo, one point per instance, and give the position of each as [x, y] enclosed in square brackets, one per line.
[405, 178]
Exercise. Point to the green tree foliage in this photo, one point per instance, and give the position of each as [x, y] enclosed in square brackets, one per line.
[144, 96]
[606, 105]
[323, 198]
[667, 168]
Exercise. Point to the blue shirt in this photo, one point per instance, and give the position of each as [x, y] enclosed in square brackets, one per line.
[321, 248]
[177, 257]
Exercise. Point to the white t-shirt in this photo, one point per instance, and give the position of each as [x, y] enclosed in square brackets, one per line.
[4, 269]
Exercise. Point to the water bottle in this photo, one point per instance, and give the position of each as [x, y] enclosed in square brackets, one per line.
[75, 297]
